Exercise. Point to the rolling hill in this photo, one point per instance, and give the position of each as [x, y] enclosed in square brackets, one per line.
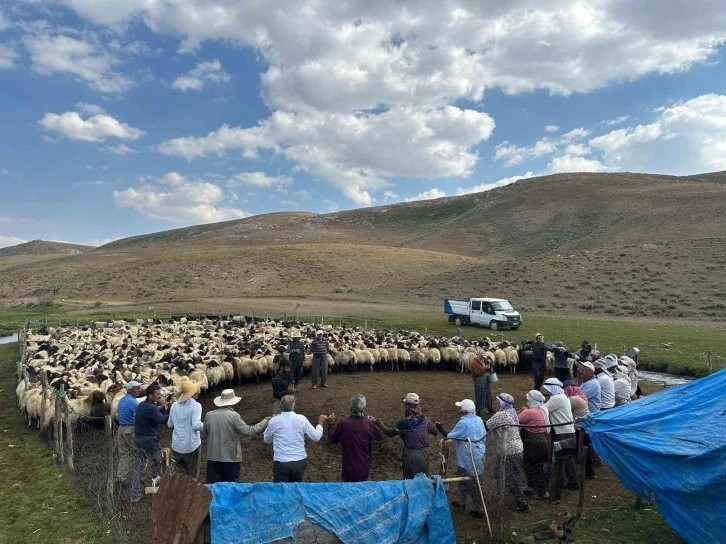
[614, 244]
[41, 247]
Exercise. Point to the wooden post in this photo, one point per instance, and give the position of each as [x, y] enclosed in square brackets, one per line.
[111, 471]
[44, 385]
[501, 477]
[582, 459]
[69, 433]
[59, 424]
[710, 361]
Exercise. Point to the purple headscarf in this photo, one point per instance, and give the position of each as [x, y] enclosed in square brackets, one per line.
[507, 401]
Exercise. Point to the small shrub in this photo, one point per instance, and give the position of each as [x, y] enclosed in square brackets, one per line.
[97, 304]
[338, 290]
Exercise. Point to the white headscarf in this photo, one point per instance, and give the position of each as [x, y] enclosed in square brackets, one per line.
[554, 387]
[535, 399]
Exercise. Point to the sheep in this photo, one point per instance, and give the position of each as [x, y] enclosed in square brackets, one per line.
[500, 358]
[403, 357]
[94, 406]
[512, 359]
[228, 371]
[20, 391]
[550, 362]
[435, 356]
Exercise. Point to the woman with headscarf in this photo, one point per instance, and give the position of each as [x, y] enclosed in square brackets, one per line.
[537, 445]
[580, 408]
[513, 448]
[621, 385]
[414, 429]
[482, 388]
[563, 440]
[632, 367]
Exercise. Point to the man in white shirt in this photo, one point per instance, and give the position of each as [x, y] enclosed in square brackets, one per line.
[286, 432]
[185, 420]
[564, 441]
[607, 387]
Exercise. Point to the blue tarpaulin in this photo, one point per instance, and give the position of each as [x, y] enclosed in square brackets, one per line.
[671, 446]
[404, 511]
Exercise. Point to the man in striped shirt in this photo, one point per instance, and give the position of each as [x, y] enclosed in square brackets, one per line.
[319, 349]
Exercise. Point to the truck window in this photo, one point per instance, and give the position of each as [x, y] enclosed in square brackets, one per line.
[488, 308]
[476, 305]
[504, 306]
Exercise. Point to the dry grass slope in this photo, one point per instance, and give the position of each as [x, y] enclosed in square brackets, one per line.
[611, 244]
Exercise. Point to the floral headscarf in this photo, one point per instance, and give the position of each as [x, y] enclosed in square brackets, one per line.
[507, 401]
[571, 390]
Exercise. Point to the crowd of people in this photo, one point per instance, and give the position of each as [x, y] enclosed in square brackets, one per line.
[537, 439]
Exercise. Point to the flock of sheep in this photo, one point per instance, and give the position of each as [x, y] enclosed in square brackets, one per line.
[93, 364]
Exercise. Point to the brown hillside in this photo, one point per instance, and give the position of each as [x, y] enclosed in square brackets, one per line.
[41, 247]
[614, 244]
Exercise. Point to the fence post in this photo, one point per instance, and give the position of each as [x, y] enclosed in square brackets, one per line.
[710, 361]
[69, 433]
[59, 425]
[110, 479]
[44, 385]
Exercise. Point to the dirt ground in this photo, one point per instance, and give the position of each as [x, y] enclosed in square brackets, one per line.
[384, 392]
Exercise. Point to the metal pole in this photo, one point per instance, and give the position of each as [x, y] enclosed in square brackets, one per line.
[478, 483]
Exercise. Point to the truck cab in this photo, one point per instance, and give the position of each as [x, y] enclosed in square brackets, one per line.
[494, 313]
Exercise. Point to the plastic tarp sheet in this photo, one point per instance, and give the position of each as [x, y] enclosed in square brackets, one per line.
[404, 511]
[671, 446]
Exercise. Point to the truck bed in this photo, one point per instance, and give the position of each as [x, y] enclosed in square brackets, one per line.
[456, 306]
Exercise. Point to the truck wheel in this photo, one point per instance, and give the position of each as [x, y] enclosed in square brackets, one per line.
[494, 325]
[458, 322]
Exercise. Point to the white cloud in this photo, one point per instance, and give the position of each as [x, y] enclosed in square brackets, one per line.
[513, 155]
[94, 129]
[83, 59]
[427, 195]
[4, 171]
[119, 149]
[390, 196]
[493, 185]
[89, 109]
[7, 57]
[176, 199]
[261, 180]
[577, 149]
[331, 206]
[574, 163]
[356, 152]
[616, 121]
[204, 71]
[552, 128]
[362, 92]
[686, 138]
[7, 241]
[303, 195]
[4, 23]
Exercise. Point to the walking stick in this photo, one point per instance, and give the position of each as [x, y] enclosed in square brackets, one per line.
[478, 483]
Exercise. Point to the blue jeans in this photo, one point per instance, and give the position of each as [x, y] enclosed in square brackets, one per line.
[146, 446]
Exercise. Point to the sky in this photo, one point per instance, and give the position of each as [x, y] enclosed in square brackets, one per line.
[121, 117]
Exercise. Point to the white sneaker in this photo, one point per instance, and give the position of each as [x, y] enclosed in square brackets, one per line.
[156, 481]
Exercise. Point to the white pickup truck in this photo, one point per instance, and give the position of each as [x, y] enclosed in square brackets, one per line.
[495, 313]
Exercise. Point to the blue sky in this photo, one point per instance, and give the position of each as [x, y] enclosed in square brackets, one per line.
[121, 118]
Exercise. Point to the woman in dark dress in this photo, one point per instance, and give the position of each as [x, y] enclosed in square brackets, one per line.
[414, 429]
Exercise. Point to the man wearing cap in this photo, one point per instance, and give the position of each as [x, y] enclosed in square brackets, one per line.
[185, 420]
[319, 349]
[356, 434]
[149, 415]
[125, 435]
[607, 387]
[590, 386]
[470, 462]
[296, 353]
[223, 427]
[286, 432]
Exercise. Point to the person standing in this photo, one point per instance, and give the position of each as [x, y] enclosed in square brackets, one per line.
[539, 359]
[282, 383]
[564, 441]
[319, 349]
[584, 354]
[223, 428]
[480, 369]
[621, 384]
[562, 367]
[607, 387]
[470, 461]
[296, 353]
[537, 445]
[590, 387]
[356, 434]
[286, 432]
[414, 429]
[125, 435]
[185, 421]
[497, 428]
[149, 415]
[580, 409]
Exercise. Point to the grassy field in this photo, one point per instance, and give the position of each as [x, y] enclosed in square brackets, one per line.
[38, 502]
[676, 348]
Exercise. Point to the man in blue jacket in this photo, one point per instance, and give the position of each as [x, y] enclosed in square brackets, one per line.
[146, 438]
[469, 426]
[125, 434]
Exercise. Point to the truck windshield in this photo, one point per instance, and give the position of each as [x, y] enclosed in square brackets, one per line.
[503, 306]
